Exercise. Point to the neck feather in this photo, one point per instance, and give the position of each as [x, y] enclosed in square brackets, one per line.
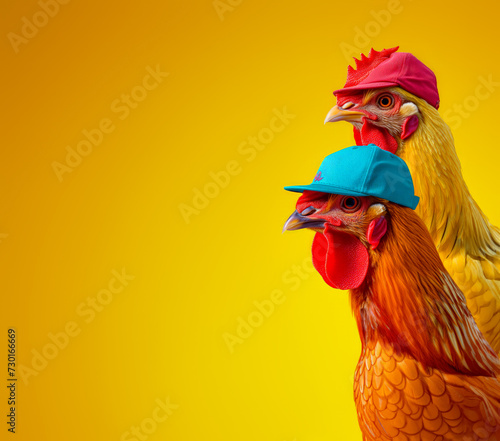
[409, 302]
[452, 216]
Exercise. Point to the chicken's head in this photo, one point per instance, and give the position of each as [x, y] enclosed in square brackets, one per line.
[384, 117]
[384, 98]
[348, 231]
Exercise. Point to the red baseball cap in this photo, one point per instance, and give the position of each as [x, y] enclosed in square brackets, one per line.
[397, 69]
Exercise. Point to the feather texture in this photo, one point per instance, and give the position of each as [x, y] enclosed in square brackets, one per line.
[398, 399]
[425, 372]
[468, 244]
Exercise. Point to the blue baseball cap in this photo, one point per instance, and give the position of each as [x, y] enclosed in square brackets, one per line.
[364, 171]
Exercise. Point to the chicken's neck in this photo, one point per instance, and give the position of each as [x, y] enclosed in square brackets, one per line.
[409, 302]
[452, 216]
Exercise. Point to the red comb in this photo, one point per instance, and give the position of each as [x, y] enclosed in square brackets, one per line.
[366, 64]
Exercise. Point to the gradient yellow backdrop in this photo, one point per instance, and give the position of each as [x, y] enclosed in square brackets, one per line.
[175, 330]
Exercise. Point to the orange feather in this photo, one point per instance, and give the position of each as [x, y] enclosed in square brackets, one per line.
[425, 372]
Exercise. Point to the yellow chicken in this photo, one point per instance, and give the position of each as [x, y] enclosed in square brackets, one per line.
[391, 98]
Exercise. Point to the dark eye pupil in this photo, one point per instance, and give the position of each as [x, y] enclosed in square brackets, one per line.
[386, 101]
[350, 202]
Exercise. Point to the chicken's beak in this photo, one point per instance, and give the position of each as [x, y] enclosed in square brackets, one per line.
[338, 114]
[297, 221]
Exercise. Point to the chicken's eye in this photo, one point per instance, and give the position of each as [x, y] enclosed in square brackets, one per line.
[385, 101]
[350, 204]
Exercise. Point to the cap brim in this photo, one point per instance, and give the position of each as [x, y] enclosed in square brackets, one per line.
[324, 189]
[411, 203]
[364, 86]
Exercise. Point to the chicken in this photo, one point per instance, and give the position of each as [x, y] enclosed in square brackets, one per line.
[392, 99]
[426, 373]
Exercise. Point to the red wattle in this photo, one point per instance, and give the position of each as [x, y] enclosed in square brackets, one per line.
[372, 134]
[357, 136]
[340, 258]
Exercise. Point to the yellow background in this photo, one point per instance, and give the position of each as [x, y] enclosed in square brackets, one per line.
[162, 335]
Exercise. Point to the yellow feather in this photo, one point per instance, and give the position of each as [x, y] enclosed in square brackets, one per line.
[468, 244]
